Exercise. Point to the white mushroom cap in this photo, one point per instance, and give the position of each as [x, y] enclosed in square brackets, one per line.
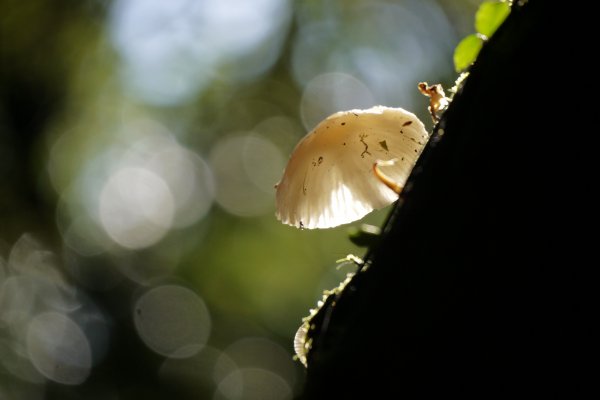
[329, 179]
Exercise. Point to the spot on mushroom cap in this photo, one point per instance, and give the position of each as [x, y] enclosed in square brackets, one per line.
[329, 178]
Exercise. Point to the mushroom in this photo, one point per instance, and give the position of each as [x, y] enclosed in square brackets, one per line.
[437, 99]
[333, 176]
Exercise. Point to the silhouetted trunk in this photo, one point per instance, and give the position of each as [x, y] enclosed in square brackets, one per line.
[480, 287]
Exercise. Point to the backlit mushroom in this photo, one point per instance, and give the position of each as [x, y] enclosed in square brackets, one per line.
[330, 180]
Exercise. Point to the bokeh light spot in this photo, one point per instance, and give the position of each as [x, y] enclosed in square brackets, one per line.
[189, 179]
[16, 300]
[58, 348]
[246, 167]
[171, 50]
[136, 207]
[388, 46]
[332, 92]
[173, 321]
[263, 353]
[199, 374]
[253, 384]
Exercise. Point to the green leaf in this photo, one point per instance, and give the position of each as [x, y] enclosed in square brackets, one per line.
[365, 236]
[490, 16]
[466, 52]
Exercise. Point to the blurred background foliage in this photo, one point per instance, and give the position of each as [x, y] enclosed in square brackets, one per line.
[139, 144]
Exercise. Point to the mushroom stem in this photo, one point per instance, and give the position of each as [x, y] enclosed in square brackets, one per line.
[386, 180]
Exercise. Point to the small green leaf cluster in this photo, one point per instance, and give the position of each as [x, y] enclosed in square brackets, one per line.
[488, 18]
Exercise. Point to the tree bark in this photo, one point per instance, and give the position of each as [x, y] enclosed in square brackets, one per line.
[480, 286]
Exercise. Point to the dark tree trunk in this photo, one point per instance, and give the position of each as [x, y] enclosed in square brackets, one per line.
[480, 287]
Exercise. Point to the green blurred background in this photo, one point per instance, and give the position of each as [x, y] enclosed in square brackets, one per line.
[139, 144]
